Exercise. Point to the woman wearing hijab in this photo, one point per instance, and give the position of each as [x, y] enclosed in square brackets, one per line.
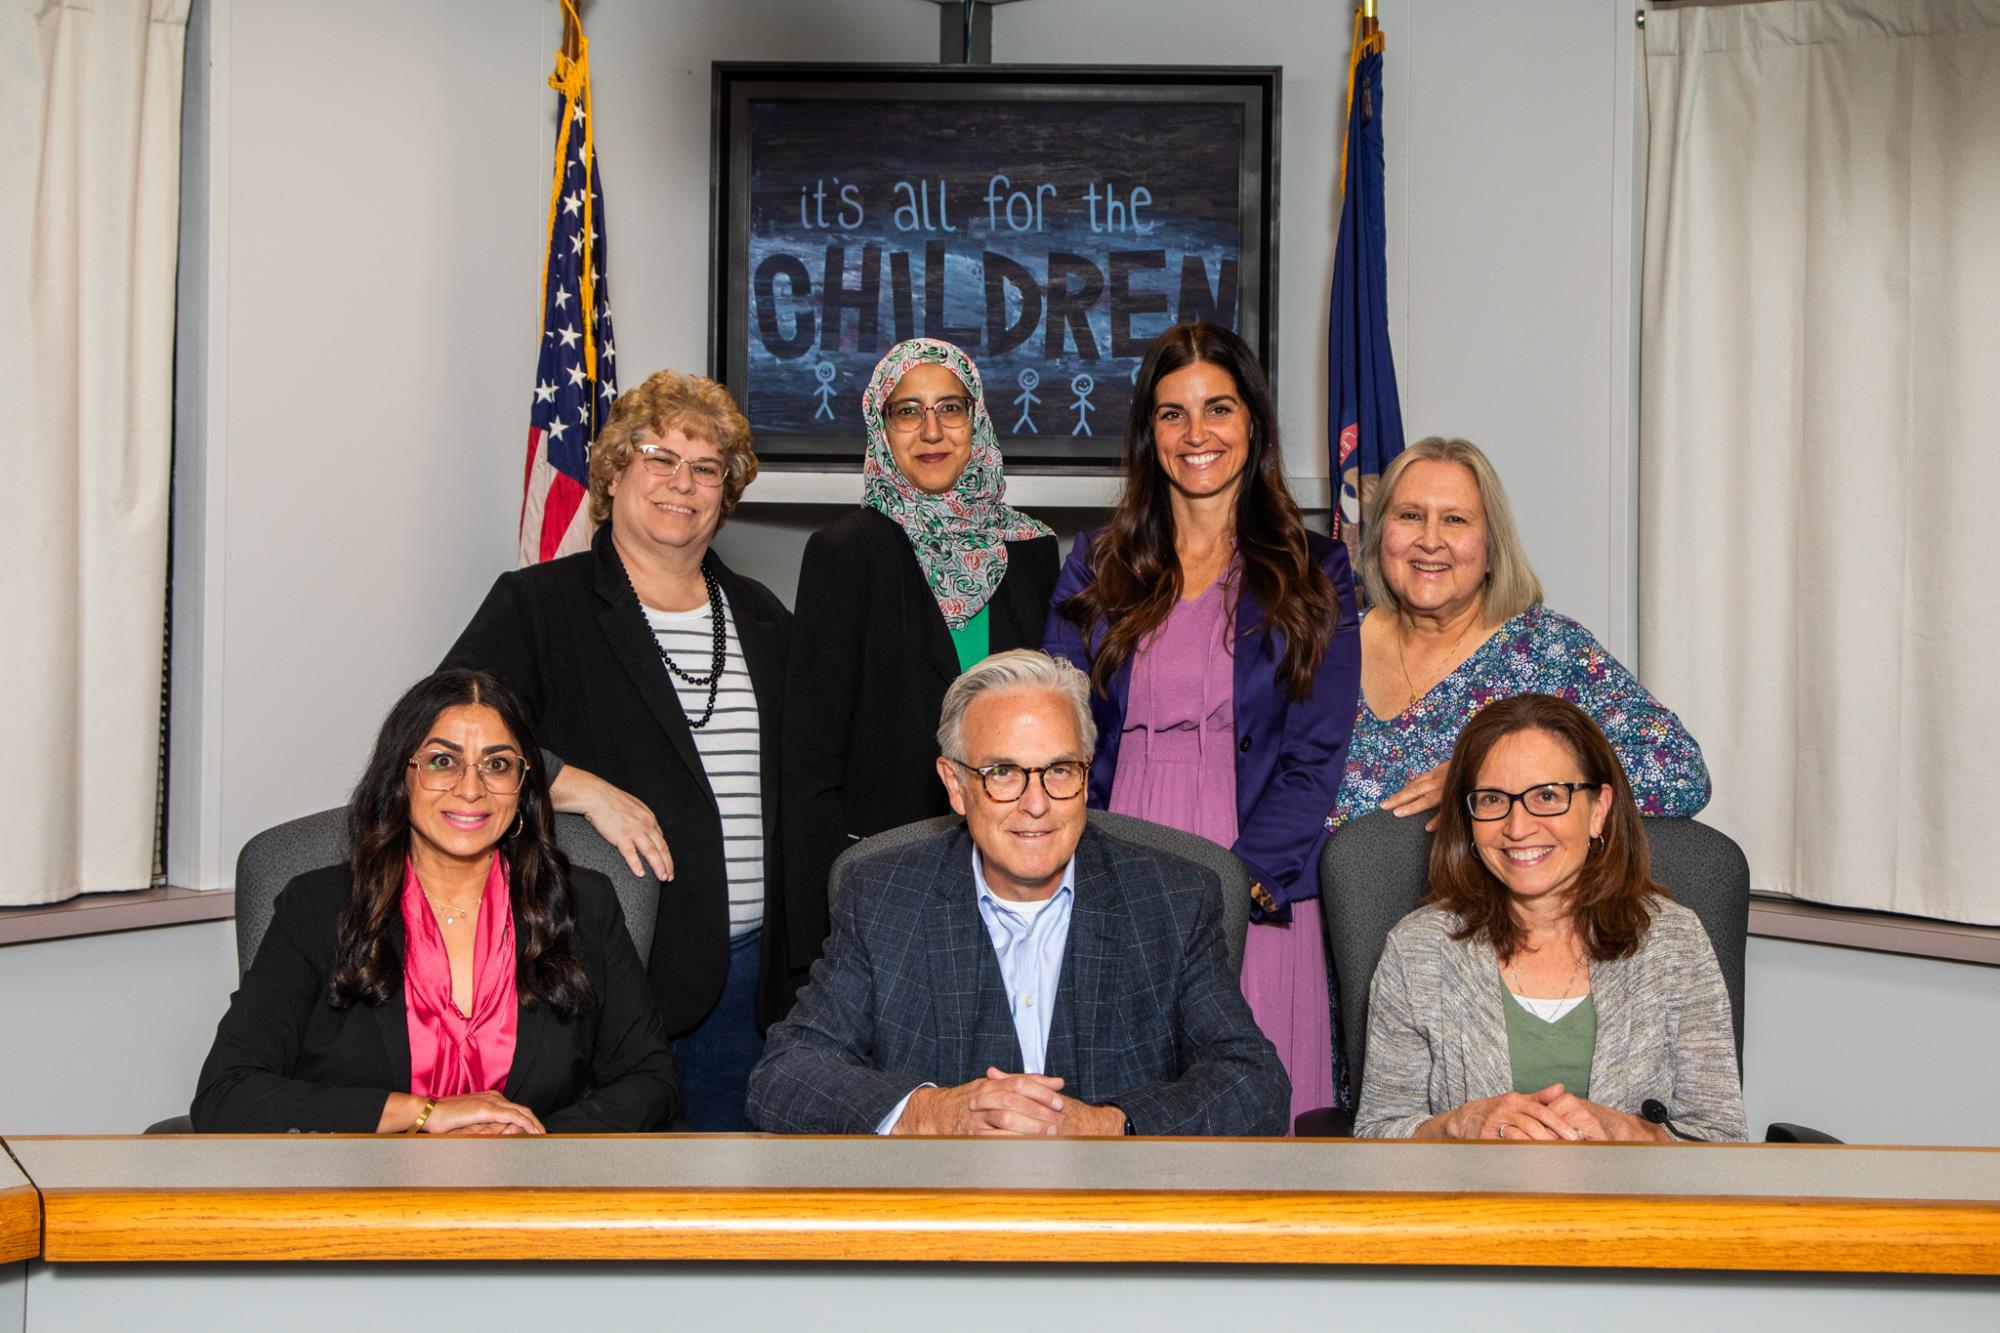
[932, 573]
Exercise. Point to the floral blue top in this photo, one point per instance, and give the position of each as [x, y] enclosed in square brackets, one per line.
[1537, 652]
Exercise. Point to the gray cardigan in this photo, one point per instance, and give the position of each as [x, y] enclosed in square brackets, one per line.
[1437, 1034]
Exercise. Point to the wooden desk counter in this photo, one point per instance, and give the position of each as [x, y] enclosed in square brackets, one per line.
[20, 1214]
[1796, 1208]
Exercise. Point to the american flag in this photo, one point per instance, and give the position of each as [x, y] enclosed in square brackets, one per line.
[575, 380]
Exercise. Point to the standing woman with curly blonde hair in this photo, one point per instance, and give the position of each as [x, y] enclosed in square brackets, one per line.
[656, 674]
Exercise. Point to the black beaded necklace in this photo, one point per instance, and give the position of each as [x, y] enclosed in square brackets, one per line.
[712, 682]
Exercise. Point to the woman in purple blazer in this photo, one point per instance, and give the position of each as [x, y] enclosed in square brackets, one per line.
[1221, 641]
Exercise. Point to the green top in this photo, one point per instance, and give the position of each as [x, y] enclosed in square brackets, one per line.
[1542, 1053]
[973, 641]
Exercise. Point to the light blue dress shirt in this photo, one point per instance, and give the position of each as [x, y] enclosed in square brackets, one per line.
[1029, 941]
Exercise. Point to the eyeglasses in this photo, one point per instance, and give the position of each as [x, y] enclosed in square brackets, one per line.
[441, 770]
[1063, 780]
[665, 464]
[1490, 804]
[907, 416]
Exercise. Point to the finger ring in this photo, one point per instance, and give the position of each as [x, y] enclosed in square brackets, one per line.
[1500, 1133]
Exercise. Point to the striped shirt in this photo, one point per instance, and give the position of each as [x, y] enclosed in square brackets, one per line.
[728, 749]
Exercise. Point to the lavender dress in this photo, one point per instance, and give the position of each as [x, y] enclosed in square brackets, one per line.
[1177, 766]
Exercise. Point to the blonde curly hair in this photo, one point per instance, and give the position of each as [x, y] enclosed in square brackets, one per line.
[696, 406]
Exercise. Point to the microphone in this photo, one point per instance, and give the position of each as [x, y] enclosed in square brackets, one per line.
[1654, 1110]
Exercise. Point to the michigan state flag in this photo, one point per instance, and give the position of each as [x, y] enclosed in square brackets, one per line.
[1364, 418]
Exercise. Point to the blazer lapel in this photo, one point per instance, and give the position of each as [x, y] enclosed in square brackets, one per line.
[534, 1037]
[623, 622]
[928, 631]
[1483, 1040]
[1611, 997]
[1081, 1029]
[392, 1017]
[764, 656]
[1016, 618]
[1254, 671]
[965, 976]
[1108, 711]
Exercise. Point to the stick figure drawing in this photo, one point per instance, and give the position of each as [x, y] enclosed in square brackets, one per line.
[1026, 399]
[1081, 387]
[824, 373]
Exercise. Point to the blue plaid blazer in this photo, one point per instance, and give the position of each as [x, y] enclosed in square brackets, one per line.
[1149, 1016]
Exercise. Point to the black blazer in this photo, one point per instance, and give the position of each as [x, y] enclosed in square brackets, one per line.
[284, 1059]
[570, 638]
[871, 658]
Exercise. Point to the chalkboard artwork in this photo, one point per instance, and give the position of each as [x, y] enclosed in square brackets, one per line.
[1051, 240]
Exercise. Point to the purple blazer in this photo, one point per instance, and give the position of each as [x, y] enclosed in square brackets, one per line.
[1289, 753]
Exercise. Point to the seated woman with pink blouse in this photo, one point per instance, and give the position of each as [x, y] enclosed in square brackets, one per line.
[456, 975]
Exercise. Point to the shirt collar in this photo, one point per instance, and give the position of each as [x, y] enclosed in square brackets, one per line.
[982, 890]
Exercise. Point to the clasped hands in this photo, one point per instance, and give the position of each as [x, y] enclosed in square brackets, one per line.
[1551, 1115]
[478, 1114]
[1004, 1105]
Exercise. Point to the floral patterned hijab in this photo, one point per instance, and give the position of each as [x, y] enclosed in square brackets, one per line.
[959, 537]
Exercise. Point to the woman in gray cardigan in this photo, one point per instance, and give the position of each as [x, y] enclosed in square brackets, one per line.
[1548, 988]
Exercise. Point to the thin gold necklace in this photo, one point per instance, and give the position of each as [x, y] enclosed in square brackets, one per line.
[449, 914]
[1403, 661]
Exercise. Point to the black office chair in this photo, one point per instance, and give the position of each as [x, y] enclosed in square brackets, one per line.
[1374, 871]
[1230, 872]
[273, 858]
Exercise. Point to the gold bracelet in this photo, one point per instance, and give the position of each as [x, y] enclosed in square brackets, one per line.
[430, 1104]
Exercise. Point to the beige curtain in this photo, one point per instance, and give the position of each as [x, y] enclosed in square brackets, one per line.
[89, 198]
[1819, 453]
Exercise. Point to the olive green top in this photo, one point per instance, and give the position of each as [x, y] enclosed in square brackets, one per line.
[1542, 1053]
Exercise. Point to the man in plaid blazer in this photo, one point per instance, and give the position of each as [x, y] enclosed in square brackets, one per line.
[1024, 973]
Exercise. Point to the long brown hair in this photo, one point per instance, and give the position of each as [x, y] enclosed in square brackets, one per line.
[1135, 577]
[1610, 902]
[365, 968]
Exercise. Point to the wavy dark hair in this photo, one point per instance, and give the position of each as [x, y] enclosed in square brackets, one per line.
[1135, 578]
[1611, 900]
[365, 967]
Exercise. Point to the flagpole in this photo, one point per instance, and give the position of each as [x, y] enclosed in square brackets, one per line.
[1367, 41]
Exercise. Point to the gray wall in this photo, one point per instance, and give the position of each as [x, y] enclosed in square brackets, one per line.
[105, 1034]
[365, 210]
[369, 211]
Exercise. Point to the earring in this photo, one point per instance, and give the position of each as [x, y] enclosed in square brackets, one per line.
[1596, 842]
[519, 819]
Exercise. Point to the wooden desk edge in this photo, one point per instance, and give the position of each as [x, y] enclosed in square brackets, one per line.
[1027, 1226]
[20, 1223]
